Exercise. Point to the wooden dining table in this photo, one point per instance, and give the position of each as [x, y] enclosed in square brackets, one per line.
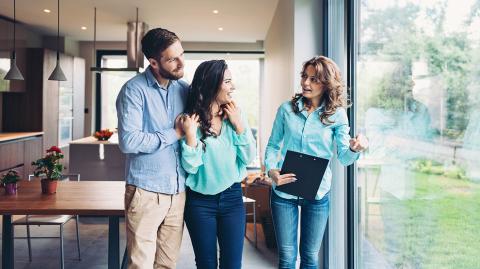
[97, 198]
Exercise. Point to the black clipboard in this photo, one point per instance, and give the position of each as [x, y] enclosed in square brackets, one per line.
[309, 171]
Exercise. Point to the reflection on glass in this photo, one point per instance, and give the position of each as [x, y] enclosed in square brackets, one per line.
[418, 96]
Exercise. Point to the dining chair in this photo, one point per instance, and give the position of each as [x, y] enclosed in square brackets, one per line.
[59, 220]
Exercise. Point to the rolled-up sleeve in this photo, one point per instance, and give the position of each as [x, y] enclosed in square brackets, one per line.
[245, 144]
[132, 139]
[342, 138]
[191, 157]
[274, 142]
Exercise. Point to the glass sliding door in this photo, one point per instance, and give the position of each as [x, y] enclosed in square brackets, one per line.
[417, 99]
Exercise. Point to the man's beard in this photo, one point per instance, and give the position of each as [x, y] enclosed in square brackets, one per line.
[170, 75]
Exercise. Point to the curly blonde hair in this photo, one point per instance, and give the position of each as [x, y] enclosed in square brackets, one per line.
[335, 94]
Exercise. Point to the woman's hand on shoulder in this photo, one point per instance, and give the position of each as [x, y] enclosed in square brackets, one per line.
[274, 174]
[234, 116]
[190, 124]
[359, 143]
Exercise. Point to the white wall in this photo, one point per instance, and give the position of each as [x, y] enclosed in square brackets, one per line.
[222, 46]
[308, 34]
[278, 68]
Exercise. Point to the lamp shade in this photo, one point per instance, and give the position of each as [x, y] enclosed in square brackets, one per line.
[13, 73]
[57, 73]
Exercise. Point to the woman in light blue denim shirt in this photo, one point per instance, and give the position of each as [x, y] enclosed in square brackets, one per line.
[218, 146]
[310, 123]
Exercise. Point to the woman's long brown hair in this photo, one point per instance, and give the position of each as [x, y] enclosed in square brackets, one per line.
[204, 90]
[334, 95]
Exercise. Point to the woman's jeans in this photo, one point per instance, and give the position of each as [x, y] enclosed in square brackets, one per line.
[221, 216]
[314, 215]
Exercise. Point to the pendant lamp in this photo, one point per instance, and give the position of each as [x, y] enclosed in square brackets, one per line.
[57, 73]
[14, 73]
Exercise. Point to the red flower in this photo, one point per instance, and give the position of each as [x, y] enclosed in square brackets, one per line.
[54, 149]
[103, 134]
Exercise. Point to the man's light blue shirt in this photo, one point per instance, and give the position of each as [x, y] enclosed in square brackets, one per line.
[307, 134]
[146, 114]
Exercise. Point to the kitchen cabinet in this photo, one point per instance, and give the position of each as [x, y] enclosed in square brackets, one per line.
[18, 150]
[56, 108]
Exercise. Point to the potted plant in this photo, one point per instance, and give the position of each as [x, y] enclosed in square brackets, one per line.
[103, 135]
[9, 180]
[49, 169]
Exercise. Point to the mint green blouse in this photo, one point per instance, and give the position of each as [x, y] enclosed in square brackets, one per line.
[223, 162]
[305, 133]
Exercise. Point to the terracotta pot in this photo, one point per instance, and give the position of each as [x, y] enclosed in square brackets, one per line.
[49, 186]
[11, 188]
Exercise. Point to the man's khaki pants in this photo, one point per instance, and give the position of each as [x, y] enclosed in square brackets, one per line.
[154, 223]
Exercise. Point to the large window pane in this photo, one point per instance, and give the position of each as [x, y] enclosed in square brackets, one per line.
[111, 83]
[418, 102]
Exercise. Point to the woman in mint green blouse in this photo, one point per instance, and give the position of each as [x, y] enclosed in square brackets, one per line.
[217, 147]
[311, 123]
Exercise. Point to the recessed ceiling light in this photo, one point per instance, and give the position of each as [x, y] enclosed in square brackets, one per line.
[47, 10]
[215, 11]
[220, 28]
[84, 28]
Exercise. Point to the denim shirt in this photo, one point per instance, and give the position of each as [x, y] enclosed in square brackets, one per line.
[307, 134]
[146, 115]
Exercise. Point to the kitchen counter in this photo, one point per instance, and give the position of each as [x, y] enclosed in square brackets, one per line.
[97, 160]
[92, 140]
[18, 150]
[6, 137]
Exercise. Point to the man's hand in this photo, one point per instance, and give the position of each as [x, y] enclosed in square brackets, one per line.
[179, 126]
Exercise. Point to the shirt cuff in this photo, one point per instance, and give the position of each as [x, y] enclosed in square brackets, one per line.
[269, 167]
[352, 155]
[189, 150]
[168, 137]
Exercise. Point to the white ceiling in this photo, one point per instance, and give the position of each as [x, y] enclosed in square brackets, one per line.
[192, 20]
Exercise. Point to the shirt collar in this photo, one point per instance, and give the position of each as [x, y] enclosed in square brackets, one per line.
[152, 81]
[301, 105]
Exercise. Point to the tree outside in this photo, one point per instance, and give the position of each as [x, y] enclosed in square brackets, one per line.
[418, 95]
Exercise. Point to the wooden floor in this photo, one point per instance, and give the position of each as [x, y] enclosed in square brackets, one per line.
[93, 236]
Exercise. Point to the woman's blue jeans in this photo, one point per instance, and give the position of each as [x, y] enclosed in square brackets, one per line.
[314, 216]
[221, 216]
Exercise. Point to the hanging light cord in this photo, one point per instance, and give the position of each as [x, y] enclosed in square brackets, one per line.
[95, 36]
[14, 27]
[58, 30]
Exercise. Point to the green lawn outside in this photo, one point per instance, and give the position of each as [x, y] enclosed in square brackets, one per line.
[439, 227]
